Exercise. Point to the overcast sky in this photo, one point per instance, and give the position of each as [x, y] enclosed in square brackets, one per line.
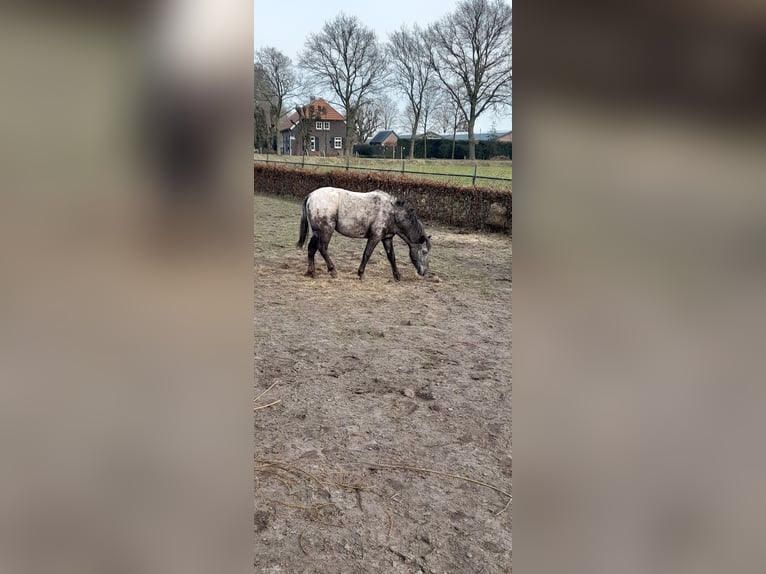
[286, 25]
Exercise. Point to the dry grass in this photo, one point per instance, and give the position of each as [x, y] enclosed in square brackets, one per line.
[271, 404]
[325, 480]
[378, 466]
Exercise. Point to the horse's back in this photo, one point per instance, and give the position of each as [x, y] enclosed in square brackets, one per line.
[352, 213]
[330, 193]
[328, 198]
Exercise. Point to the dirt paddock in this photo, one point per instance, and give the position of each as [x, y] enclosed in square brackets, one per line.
[360, 379]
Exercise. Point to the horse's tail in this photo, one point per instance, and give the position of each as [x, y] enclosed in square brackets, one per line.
[304, 224]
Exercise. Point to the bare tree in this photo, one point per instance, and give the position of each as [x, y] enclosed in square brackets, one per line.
[278, 82]
[368, 120]
[262, 135]
[473, 53]
[449, 119]
[443, 116]
[432, 99]
[345, 58]
[407, 120]
[389, 112]
[307, 116]
[412, 73]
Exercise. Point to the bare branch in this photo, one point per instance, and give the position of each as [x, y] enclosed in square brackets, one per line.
[472, 57]
[275, 83]
[345, 59]
[412, 73]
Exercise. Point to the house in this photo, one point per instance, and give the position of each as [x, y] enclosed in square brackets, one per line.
[502, 136]
[385, 138]
[314, 129]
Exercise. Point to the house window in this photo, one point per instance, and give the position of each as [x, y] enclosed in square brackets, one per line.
[337, 143]
[313, 143]
[319, 125]
[327, 126]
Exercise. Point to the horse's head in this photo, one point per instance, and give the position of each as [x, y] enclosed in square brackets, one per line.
[419, 251]
[410, 228]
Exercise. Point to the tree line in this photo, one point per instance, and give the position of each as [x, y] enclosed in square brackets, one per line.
[448, 74]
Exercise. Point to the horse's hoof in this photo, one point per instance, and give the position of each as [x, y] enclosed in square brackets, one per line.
[397, 277]
[333, 273]
[309, 274]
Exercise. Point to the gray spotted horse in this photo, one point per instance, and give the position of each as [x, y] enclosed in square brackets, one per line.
[375, 215]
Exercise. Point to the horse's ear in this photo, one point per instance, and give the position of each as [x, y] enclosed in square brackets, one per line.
[429, 238]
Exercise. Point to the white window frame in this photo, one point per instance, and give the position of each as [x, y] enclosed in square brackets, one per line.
[337, 143]
[313, 143]
[319, 126]
[327, 126]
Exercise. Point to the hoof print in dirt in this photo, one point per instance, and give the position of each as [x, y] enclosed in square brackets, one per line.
[409, 393]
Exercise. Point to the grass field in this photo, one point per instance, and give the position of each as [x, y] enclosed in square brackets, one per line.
[457, 172]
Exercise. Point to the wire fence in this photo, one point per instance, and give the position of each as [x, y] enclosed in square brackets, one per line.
[401, 169]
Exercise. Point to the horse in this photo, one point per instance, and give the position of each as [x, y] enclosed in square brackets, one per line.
[374, 215]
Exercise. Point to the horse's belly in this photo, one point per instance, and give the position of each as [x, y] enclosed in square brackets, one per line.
[354, 229]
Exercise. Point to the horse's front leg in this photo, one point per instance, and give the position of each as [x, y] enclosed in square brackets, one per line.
[371, 243]
[388, 244]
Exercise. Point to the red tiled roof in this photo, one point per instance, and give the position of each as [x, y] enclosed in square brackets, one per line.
[326, 113]
[330, 113]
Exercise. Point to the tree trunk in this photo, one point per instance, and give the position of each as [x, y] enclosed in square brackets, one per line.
[276, 128]
[425, 136]
[276, 139]
[349, 147]
[471, 139]
[454, 131]
[416, 121]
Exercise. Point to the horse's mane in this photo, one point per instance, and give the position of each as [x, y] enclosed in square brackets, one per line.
[409, 213]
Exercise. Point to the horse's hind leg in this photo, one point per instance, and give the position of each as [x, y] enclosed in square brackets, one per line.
[324, 242]
[313, 244]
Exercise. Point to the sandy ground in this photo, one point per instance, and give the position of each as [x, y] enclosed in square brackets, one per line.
[376, 374]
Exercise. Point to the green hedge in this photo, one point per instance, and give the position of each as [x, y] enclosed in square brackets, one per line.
[442, 149]
[433, 201]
